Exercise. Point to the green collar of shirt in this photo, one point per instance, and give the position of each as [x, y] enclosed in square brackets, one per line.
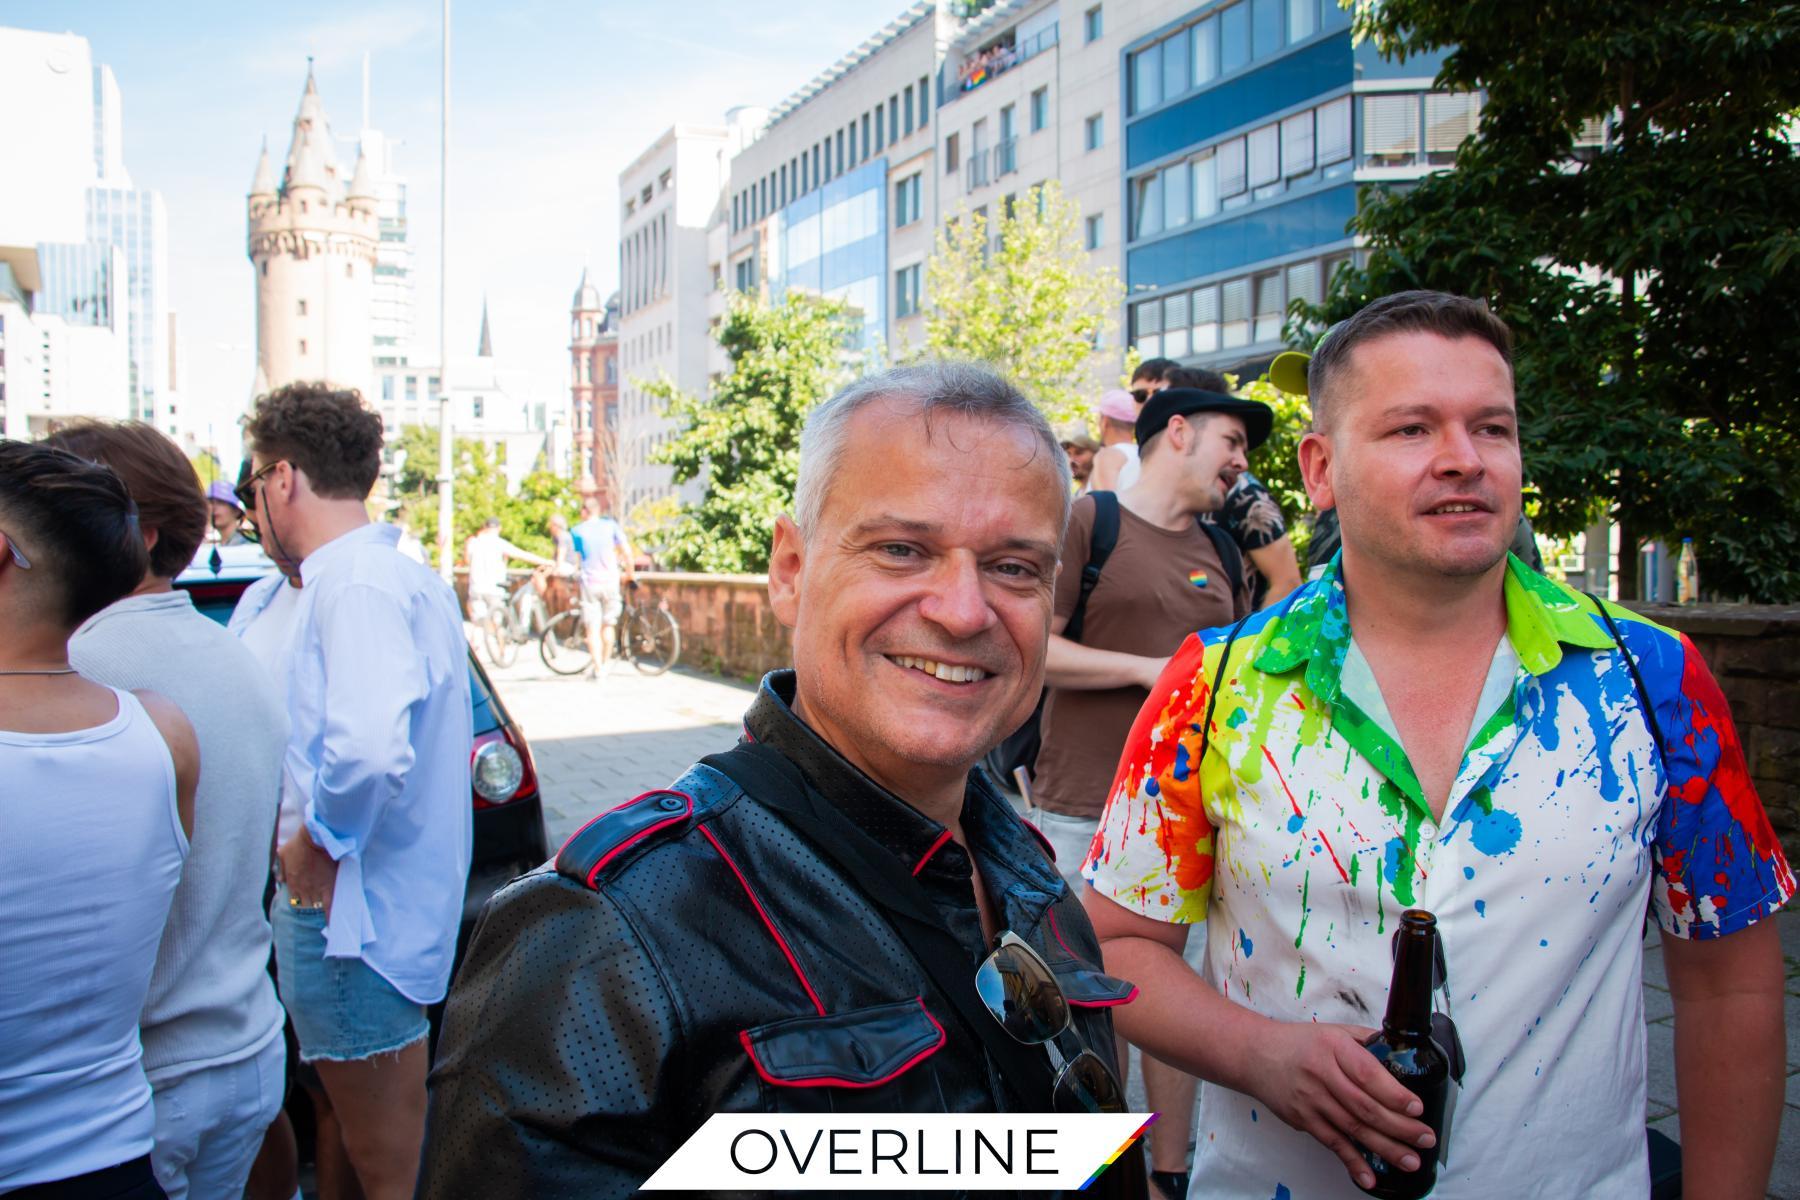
[1541, 617]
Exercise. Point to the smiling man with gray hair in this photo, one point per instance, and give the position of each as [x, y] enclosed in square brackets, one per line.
[795, 925]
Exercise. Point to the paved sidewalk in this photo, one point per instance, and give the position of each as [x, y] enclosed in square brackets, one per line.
[599, 743]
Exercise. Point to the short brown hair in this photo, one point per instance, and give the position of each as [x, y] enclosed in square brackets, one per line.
[327, 432]
[1449, 316]
[159, 477]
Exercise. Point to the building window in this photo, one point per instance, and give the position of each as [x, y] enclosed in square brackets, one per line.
[1234, 37]
[1094, 132]
[1303, 19]
[1040, 109]
[952, 160]
[387, 387]
[1265, 27]
[851, 130]
[1091, 25]
[265, 268]
[1095, 230]
[1234, 304]
[349, 270]
[303, 345]
[1146, 79]
[1146, 206]
[894, 119]
[866, 151]
[909, 111]
[1391, 130]
[478, 408]
[1450, 117]
[880, 130]
[302, 308]
[1203, 44]
[663, 183]
[906, 200]
[1264, 153]
[906, 291]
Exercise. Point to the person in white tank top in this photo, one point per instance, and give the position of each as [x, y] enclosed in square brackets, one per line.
[94, 827]
[1116, 465]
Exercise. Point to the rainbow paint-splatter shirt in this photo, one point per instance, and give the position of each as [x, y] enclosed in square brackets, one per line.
[1302, 833]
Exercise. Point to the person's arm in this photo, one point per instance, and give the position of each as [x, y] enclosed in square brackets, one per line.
[558, 1066]
[1318, 1078]
[513, 551]
[1730, 1058]
[374, 677]
[1107, 465]
[184, 751]
[627, 563]
[1277, 563]
[1082, 668]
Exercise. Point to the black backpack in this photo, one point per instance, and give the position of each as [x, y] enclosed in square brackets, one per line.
[1020, 747]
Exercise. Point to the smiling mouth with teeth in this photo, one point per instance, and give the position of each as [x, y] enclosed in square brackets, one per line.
[1455, 508]
[947, 672]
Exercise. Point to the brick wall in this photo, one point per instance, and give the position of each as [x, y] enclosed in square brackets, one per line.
[726, 624]
[1754, 652]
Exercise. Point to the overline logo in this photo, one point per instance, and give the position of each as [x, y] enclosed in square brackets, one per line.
[887, 1151]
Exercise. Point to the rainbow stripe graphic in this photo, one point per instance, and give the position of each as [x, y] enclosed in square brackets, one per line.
[1197, 578]
[1114, 1157]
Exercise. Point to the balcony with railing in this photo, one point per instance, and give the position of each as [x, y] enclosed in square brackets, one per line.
[977, 168]
[991, 61]
[991, 164]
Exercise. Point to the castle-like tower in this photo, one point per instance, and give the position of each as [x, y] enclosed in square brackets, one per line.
[313, 240]
[594, 391]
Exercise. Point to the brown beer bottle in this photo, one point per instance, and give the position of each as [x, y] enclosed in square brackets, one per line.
[1405, 1047]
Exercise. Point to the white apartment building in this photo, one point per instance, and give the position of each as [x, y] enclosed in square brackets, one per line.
[668, 199]
[837, 194]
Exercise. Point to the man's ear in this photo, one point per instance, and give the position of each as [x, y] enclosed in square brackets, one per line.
[787, 564]
[1315, 469]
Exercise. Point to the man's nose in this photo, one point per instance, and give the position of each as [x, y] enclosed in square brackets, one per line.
[1457, 455]
[956, 602]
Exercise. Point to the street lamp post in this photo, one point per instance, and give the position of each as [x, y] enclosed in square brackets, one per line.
[446, 475]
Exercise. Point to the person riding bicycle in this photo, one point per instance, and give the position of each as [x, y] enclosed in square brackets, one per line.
[606, 556]
[488, 553]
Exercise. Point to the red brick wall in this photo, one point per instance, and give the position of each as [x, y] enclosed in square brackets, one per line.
[726, 624]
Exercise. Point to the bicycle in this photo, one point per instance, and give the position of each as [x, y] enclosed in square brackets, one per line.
[523, 617]
[647, 637]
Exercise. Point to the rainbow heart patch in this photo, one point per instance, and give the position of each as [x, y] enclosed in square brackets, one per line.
[1197, 578]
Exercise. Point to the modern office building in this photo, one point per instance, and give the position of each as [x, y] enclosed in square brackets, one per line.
[836, 194]
[393, 305]
[669, 198]
[1249, 125]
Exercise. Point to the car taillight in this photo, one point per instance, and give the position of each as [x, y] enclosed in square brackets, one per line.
[499, 770]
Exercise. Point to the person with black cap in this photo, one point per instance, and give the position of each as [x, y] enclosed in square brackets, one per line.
[1166, 575]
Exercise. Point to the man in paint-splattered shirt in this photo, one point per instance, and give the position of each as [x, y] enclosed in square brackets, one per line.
[1433, 725]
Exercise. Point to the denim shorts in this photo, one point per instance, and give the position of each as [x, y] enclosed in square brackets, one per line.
[342, 1009]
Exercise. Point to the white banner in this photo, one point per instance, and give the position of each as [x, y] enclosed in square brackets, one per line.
[932, 1152]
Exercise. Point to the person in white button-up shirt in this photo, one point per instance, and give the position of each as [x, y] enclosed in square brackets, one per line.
[372, 872]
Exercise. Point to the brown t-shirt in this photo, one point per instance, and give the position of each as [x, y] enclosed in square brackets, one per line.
[1149, 598]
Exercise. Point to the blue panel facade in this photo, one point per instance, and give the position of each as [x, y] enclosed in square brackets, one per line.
[833, 242]
[1287, 81]
[1275, 231]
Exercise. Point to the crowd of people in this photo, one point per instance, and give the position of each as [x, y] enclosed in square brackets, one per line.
[1237, 783]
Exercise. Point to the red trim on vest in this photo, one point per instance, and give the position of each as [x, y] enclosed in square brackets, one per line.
[832, 1080]
[1125, 999]
[770, 925]
[935, 847]
[1039, 835]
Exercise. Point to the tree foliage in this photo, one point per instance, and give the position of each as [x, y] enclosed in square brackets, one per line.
[744, 439]
[1020, 293]
[1653, 284]
[480, 493]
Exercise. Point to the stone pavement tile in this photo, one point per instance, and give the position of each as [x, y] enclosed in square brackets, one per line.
[1784, 1179]
[1657, 1003]
[1653, 966]
[1660, 1061]
[1788, 922]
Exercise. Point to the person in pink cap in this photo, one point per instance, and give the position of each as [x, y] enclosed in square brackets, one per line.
[225, 514]
[1116, 466]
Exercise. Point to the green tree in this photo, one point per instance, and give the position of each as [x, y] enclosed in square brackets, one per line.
[1021, 294]
[744, 438]
[480, 493]
[1652, 279]
[1277, 461]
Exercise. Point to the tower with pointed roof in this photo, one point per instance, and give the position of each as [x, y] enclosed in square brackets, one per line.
[594, 391]
[313, 238]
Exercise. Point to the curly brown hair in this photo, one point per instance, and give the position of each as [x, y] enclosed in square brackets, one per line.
[327, 432]
[158, 476]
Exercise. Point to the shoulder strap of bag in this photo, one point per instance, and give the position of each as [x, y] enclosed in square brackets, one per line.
[777, 784]
[1637, 680]
[1231, 556]
[1104, 538]
[1212, 697]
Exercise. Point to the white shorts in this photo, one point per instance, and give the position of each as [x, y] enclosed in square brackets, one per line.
[210, 1123]
[480, 603]
[601, 603]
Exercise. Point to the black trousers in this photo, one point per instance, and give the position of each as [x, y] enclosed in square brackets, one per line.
[132, 1180]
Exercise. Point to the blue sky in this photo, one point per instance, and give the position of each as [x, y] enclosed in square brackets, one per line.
[550, 99]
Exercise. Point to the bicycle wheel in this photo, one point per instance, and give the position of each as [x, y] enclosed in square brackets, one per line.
[499, 633]
[564, 644]
[652, 640]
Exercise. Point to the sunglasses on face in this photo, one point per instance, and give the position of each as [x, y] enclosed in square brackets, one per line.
[246, 491]
[24, 563]
[1020, 990]
[1140, 394]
